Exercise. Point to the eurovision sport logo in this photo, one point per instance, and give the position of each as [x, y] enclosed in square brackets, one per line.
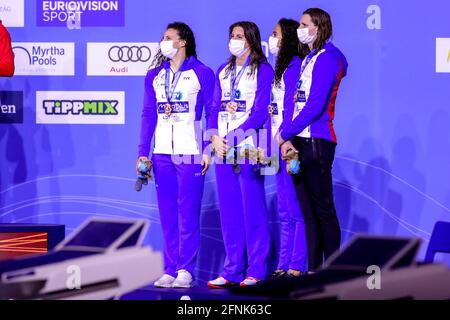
[120, 59]
[89, 13]
[80, 107]
[44, 59]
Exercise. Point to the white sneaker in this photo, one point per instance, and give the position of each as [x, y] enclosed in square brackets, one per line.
[183, 280]
[249, 281]
[219, 283]
[165, 281]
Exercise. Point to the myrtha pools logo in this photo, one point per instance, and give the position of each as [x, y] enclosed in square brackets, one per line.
[48, 59]
[80, 107]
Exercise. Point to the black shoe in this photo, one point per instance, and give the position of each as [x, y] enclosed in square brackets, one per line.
[293, 276]
[277, 274]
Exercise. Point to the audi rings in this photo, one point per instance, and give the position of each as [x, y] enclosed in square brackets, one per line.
[129, 54]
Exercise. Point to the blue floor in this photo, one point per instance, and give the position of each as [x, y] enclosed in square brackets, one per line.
[201, 292]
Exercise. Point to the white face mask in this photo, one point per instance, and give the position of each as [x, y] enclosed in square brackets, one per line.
[273, 45]
[167, 49]
[304, 36]
[237, 47]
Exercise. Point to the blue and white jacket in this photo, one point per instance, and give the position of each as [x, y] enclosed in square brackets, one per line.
[253, 99]
[283, 96]
[315, 101]
[180, 132]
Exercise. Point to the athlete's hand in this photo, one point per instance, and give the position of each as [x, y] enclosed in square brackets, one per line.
[288, 151]
[149, 164]
[219, 145]
[138, 161]
[206, 160]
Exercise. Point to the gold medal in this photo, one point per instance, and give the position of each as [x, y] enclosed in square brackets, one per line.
[168, 109]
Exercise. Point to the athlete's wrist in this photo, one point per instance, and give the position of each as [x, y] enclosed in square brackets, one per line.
[280, 139]
[214, 137]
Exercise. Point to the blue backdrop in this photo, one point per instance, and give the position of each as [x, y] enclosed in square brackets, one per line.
[392, 169]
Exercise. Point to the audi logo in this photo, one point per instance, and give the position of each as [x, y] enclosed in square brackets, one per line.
[129, 54]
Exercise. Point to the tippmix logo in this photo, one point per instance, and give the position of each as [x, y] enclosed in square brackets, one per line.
[80, 107]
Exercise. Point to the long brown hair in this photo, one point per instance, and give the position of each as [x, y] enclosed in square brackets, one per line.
[253, 37]
[289, 47]
[185, 33]
[322, 20]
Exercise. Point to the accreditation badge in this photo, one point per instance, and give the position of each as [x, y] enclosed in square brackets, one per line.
[297, 90]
